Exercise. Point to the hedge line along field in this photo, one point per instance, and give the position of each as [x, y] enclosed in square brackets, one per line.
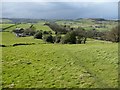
[60, 66]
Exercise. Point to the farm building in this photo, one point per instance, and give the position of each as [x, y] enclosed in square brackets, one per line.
[19, 32]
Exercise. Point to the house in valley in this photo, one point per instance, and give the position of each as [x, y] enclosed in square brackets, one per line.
[19, 32]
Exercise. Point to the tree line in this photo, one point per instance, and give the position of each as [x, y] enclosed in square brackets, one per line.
[66, 35]
[80, 34]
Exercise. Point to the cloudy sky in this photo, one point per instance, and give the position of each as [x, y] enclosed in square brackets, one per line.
[48, 9]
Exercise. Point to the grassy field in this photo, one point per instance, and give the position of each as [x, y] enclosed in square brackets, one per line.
[48, 65]
[5, 25]
[41, 26]
[9, 38]
[90, 65]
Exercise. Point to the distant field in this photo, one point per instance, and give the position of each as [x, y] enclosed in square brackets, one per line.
[87, 23]
[10, 39]
[41, 26]
[5, 25]
[38, 26]
[5, 21]
[24, 25]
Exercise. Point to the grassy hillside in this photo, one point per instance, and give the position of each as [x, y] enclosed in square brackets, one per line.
[48, 65]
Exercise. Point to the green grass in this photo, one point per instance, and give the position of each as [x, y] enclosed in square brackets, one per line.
[60, 66]
[41, 26]
[24, 25]
[10, 39]
[5, 25]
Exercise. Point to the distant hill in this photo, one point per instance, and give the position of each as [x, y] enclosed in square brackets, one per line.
[25, 20]
[19, 20]
[5, 20]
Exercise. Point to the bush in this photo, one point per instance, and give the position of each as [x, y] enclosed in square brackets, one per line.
[47, 32]
[48, 38]
[80, 39]
[69, 38]
[38, 35]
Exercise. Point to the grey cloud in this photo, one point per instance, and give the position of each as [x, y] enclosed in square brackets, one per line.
[59, 10]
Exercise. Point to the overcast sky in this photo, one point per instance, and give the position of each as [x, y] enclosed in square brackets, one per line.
[60, 10]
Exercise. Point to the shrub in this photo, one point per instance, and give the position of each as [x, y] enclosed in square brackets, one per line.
[69, 38]
[47, 32]
[38, 35]
[48, 38]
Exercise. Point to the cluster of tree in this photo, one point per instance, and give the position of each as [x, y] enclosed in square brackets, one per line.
[45, 35]
[48, 37]
[30, 31]
[113, 35]
[72, 37]
[77, 36]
